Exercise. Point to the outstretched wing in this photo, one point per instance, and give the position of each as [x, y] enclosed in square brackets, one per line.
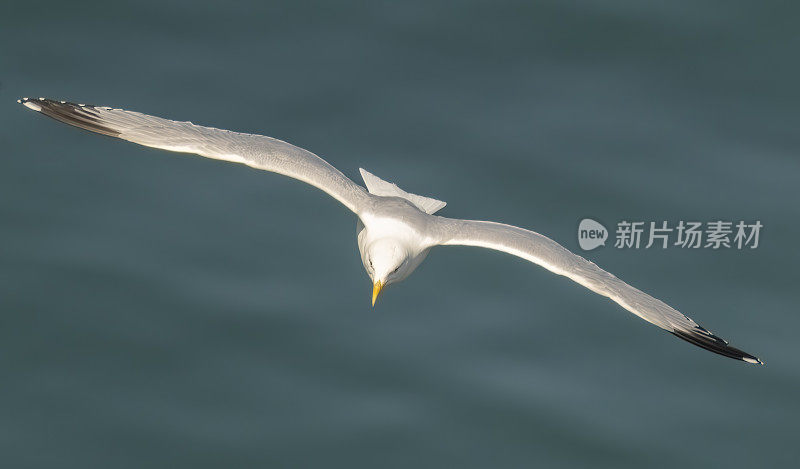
[557, 259]
[257, 151]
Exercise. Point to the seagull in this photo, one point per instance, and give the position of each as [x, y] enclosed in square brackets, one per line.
[395, 229]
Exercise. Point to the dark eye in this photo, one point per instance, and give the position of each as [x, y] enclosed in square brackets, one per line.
[396, 269]
[370, 262]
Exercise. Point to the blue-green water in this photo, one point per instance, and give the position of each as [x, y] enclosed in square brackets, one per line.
[162, 310]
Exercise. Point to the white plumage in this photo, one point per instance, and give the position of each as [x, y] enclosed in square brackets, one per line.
[396, 229]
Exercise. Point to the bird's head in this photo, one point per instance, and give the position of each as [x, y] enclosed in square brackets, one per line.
[386, 262]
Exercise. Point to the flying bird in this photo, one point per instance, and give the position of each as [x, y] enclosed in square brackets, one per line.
[396, 229]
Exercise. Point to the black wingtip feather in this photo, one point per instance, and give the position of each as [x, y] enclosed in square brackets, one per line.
[705, 339]
[78, 115]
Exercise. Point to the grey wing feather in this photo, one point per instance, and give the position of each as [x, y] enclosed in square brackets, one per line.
[253, 150]
[541, 250]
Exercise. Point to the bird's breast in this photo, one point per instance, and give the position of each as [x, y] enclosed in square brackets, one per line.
[401, 222]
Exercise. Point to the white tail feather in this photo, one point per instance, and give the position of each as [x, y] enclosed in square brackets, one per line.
[378, 186]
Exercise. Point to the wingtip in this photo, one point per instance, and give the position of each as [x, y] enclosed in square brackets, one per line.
[31, 103]
[79, 115]
[703, 338]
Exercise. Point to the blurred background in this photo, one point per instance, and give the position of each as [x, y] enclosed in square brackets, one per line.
[163, 310]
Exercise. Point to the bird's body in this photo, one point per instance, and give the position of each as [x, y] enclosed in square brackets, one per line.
[395, 229]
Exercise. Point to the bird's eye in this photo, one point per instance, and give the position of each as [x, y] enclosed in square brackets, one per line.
[396, 269]
[370, 262]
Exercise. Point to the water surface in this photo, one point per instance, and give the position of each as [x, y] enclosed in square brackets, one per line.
[162, 310]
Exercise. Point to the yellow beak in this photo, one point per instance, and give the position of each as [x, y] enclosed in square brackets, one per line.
[376, 290]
